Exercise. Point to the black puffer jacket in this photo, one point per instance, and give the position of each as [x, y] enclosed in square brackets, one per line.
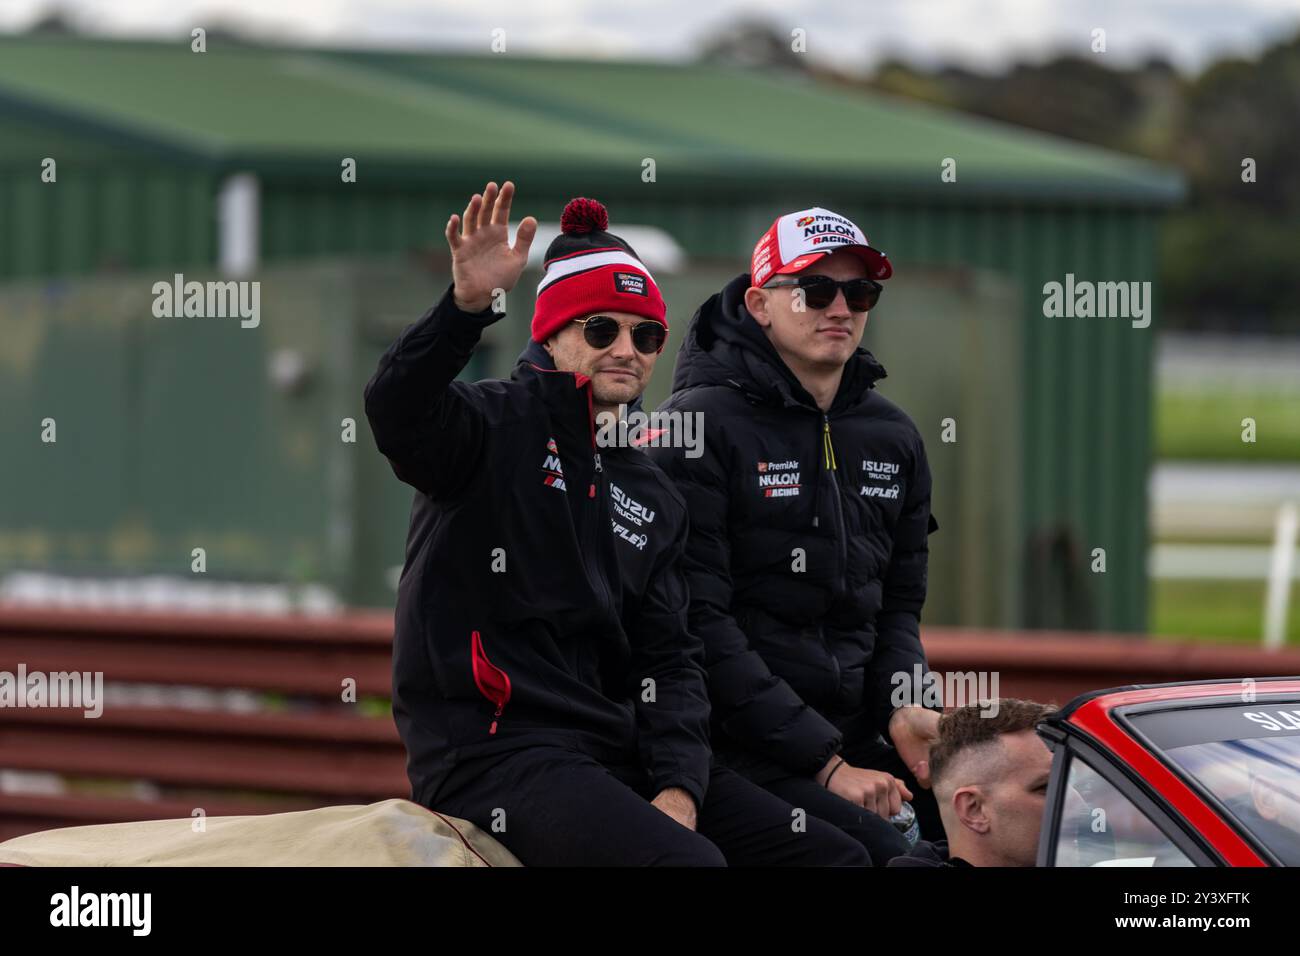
[542, 587]
[926, 854]
[808, 545]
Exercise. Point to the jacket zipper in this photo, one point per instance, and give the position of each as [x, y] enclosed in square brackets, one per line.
[828, 450]
[591, 536]
[589, 552]
[492, 682]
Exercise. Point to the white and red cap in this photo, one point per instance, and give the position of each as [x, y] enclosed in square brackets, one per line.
[798, 239]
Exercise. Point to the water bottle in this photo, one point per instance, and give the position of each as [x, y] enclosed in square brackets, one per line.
[905, 822]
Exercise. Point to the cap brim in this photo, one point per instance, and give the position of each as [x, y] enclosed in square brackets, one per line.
[877, 263]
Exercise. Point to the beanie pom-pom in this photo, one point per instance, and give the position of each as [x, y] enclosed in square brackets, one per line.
[583, 215]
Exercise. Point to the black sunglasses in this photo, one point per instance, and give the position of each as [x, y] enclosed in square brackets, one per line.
[861, 295]
[601, 331]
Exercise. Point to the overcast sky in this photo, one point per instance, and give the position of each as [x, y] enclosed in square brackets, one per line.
[847, 34]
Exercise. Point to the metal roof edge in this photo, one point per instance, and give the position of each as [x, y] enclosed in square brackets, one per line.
[118, 133]
[733, 176]
[1127, 180]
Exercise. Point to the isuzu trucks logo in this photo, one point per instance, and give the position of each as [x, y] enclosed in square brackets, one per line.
[778, 479]
[628, 508]
[879, 470]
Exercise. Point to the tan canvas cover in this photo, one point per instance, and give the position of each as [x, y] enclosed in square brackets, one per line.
[389, 833]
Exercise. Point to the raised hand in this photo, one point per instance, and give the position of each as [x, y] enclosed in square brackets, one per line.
[482, 259]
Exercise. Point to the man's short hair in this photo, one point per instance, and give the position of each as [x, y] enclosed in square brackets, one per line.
[968, 730]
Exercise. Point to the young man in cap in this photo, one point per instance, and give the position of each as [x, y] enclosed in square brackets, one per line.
[544, 681]
[809, 511]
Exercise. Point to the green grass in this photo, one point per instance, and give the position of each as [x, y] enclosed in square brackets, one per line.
[1207, 426]
[1221, 612]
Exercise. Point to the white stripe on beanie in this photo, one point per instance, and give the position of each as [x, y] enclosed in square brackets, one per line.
[594, 260]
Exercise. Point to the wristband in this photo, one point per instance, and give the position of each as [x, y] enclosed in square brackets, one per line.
[827, 782]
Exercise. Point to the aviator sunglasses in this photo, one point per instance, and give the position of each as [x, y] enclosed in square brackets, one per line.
[861, 295]
[601, 331]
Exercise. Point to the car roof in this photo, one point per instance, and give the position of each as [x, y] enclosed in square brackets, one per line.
[1190, 691]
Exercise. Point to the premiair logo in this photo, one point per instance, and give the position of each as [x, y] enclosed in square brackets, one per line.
[778, 479]
[827, 228]
[552, 468]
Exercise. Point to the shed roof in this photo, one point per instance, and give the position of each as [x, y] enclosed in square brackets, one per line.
[427, 115]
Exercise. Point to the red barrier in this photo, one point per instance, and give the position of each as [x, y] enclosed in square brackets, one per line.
[329, 753]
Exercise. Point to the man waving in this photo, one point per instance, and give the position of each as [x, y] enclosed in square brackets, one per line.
[546, 685]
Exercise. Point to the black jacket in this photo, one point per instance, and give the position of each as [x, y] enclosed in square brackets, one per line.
[542, 589]
[808, 546]
[928, 854]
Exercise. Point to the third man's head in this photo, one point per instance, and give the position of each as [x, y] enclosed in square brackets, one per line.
[989, 771]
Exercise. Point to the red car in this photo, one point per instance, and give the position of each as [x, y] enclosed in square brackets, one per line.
[1203, 773]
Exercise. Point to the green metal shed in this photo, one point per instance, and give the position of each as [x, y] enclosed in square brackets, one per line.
[146, 133]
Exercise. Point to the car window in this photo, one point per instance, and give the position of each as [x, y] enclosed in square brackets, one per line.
[1258, 782]
[1099, 826]
[1247, 756]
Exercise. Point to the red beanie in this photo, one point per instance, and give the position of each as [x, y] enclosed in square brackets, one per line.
[590, 270]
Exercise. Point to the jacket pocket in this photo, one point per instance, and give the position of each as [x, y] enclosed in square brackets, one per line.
[492, 682]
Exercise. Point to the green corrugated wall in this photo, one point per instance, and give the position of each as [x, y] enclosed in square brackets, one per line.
[125, 202]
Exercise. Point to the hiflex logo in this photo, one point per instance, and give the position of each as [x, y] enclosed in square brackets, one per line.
[551, 467]
[879, 491]
[778, 479]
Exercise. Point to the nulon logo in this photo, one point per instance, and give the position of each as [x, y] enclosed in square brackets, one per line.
[552, 470]
[778, 479]
[827, 230]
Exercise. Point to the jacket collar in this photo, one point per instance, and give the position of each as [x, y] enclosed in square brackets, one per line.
[725, 346]
[567, 395]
